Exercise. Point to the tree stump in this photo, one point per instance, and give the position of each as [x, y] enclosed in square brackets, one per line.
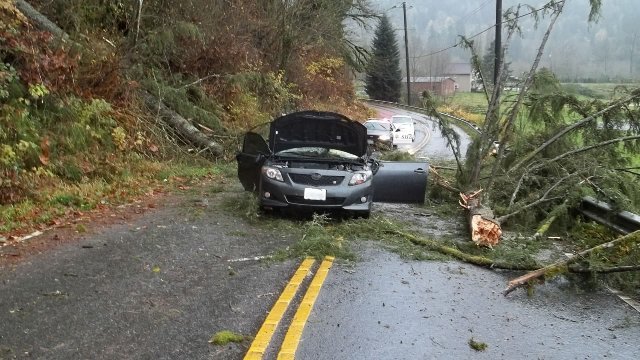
[485, 230]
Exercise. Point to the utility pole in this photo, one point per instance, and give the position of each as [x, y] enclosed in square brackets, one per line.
[497, 42]
[406, 52]
[633, 45]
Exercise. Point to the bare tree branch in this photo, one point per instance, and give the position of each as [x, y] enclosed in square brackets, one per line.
[607, 270]
[201, 80]
[525, 87]
[138, 21]
[517, 189]
[542, 199]
[562, 265]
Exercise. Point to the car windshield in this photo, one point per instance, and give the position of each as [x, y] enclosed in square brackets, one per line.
[376, 126]
[402, 120]
[317, 152]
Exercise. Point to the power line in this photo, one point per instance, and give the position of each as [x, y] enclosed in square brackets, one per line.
[477, 10]
[481, 32]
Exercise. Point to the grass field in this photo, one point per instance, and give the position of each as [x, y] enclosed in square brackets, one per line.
[473, 106]
[603, 90]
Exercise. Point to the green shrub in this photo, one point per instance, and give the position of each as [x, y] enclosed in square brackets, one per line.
[67, 200]
[81, 126]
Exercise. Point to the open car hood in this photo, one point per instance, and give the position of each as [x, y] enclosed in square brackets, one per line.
[318, 129]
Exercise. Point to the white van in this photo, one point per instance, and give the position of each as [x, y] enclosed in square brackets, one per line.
[404, 130]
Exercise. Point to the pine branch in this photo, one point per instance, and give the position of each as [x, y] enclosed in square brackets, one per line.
[568, 129]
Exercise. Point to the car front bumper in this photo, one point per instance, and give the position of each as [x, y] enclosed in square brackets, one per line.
[288, 194]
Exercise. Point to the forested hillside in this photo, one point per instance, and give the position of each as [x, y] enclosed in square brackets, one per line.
[78, 124]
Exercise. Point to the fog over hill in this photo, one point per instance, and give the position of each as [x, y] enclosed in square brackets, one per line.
[577, 50]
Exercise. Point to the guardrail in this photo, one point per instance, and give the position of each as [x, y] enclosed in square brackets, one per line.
[468, 123]
[622, 222]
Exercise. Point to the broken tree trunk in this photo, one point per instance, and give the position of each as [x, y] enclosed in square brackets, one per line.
[469, 258]
[39, 20]
[181, 125]
[498, 264]
[484, 228]
[561, 266]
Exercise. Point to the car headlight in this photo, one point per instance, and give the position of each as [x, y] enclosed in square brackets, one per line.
[272, 173]
[384, 137]
[360, 177]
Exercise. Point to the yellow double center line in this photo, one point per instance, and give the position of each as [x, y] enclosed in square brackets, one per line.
[294, 333]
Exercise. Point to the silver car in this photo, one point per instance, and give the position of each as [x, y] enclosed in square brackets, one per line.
[318, 161]
[379, 133]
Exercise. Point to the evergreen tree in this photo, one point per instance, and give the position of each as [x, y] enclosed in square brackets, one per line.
[488, 65]
[384, 78]
[488, 61]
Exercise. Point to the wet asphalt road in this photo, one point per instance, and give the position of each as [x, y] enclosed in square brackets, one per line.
[157, 287]
[429, 141]
[386, 308]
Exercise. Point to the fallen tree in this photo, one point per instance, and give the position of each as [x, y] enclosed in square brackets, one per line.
[181, 125]
[496, 264]
[563, 266]
[39, 20]
[460, 255]
[441, 180]
[539, 145]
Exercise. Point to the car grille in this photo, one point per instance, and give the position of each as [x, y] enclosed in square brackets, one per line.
[294, 199]
[305, 179]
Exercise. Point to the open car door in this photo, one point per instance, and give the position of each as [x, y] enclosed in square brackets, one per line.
[254, 152]
[400, 182]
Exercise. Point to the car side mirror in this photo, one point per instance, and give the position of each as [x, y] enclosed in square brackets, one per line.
[397, 130]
